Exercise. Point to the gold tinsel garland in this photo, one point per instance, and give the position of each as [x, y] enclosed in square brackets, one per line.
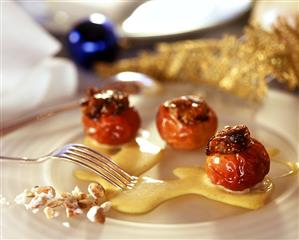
[238, 65]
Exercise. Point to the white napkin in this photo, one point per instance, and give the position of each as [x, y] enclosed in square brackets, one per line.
[31, 77]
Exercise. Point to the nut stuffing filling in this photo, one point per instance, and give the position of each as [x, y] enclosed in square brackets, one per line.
[75, 203]
[100, 102]
[229, 140]
[188, 109]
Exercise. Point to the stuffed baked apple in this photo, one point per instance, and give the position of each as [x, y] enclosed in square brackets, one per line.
[186, 122]
[108, 118]
[235, 160]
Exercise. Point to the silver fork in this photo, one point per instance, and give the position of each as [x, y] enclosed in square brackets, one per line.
[88, 158]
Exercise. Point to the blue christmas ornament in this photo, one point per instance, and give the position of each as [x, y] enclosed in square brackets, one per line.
[93, 40]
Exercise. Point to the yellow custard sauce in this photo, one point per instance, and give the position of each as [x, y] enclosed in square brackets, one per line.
[148, 193]
[135, 157]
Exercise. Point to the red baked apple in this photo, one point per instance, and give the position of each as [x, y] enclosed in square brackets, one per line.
[235, 160]
[186, 122]
[108, 118]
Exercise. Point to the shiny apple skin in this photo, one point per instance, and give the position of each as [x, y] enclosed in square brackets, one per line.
[113, 129]
[184, 136]
[239, 171]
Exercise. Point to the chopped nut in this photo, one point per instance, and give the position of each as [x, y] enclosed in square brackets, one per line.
[36, 202]
[96, 190]
[76, 191]
[96, 214]
[53, 203]
[49, 212]
[71, 212]
[86, 203]
[78, 211]
[106, 206]
[82, 196]
[46, 191]
[75, 203]
[65, 195]
[71, 203]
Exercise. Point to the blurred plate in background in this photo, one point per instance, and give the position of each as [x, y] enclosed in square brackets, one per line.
[140, 19]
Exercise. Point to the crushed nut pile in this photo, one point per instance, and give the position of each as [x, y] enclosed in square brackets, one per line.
[75, 203]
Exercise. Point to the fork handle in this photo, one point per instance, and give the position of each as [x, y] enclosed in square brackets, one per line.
[17, 159]
[45, 114]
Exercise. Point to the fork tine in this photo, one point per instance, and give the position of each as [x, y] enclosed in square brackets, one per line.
[96, 161]
[131, 180]
[103, 163]
[108, 161]
[94, 168]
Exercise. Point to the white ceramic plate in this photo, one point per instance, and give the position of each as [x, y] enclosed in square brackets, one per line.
[189, 217]
[173, 17]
